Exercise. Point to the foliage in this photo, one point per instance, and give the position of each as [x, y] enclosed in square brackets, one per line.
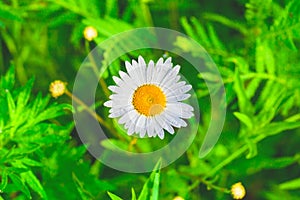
[255, 45]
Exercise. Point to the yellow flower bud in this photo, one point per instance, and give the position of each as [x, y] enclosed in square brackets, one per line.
[238, 191]
[178, 198]
[57, 88]
[90, 33]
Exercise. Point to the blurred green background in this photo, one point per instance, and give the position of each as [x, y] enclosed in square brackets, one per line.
[255, 45]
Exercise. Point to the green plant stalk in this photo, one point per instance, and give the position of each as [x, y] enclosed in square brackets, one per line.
[94, 66]
[225, 162]
[93, 114]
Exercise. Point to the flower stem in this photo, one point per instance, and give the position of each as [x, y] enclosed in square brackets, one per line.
[225, 162]
[93, 114]
[94, 66]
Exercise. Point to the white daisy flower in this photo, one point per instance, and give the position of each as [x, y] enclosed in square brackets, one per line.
[147, 98]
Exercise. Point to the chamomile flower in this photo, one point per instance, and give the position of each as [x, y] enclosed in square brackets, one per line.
[147, 99]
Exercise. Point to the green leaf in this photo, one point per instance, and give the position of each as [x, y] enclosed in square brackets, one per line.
[20, 185]
[53, 111]
[259, 57]
[244, 119]
[23, 96]
[253, 87]
[113, 196]
[34, 183]
[240, 62]
[7, 82]
[30, 162]
[252, 149]
[216, 42]
[151, 187]
[155, 189]
[264, 58]
[189, 29]
[4, 181]
[244, 103]
[227, 22]
[290, 185]
[11, 105]
[9, 15]
[79, 186]
[133, 195]
[277, 127]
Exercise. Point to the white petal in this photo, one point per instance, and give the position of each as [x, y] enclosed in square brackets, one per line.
[108, 103]
[163, 123]
[140, 125]
[160, 133]
[117, 80]
[179, 112]
[183, 89]
[174, 121]
[159, 63]
[177, 85]
[150, 71]
[131, 129]
[177, 98]
[113, 88]
[131, 70]
[150, 127]
[171, 75]
[141, 61]
[128, 116]
[168, 61]
[128, 66]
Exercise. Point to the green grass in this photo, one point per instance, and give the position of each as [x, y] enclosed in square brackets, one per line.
[255, 45]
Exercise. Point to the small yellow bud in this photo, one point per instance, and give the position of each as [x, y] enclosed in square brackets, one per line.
[178, 198]
[57, 88]
[90, 33]
[238, 191]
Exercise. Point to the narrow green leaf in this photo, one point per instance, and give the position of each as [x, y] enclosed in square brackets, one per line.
[240, 62]
[7, 82]
[133, 195]
[202, 36]
[20, 185]
[259, 57]
[113, 196]
[216, 42]
[252, 149]
[277, 127]
[53, 111]
[269, 60]
[244, 119]
[23, 96]
[151, 187]
[244, 103]
[252, 87]
[34, 183]
[227, 22]
[30, 162]
[290, 185]
[112, 8]
[9, 15]
[11, 105]
[4, 181]
[189, 29]
[79, 186]
[145, 191]
[155, 189]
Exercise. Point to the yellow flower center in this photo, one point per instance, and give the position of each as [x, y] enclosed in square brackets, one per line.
[149, 100]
